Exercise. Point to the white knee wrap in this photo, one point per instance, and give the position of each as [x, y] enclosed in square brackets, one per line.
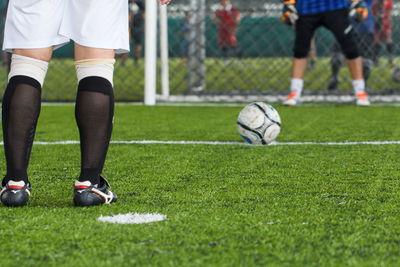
[27, 66]
[95, 67]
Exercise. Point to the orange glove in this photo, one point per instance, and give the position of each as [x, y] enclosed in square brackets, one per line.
[359, 10]
[289, 12]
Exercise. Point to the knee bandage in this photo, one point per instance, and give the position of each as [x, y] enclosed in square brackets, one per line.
[29, 67]
[103, 68]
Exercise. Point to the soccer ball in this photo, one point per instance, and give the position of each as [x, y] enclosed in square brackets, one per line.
[259, 123]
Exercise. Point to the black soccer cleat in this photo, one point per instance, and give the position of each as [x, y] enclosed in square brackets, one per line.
[15, 194]
[88, 194]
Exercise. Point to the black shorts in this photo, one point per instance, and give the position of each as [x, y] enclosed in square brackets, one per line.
[365, 43]
[337, 21]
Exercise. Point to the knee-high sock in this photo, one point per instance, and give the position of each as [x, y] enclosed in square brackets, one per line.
[94, 113]
[20, 112]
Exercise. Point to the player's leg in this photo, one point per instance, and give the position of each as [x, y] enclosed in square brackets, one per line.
[236, 51]
[224, 51]
[31, 33]
[366, 41]
[389, 43]
[137, 40]
[20, 112]
[94, 113]
[225, 54]
[377, 45]
[312, 55]
[368, 65]
[99, 30]
[358, 82]
[138, 51]
[305, 28]
[389, 49]
[337, 22]
[337, 60]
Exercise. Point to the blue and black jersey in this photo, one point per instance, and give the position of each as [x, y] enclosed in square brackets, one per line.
[305, 7]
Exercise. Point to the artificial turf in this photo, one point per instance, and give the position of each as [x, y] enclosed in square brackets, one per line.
[226, 205]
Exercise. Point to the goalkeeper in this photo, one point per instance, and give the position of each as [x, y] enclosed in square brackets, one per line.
[364, 32]
[307, 16]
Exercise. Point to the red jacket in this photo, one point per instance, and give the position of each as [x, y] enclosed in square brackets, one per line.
[227, 25]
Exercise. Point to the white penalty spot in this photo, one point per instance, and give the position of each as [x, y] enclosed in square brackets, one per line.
[133, 218]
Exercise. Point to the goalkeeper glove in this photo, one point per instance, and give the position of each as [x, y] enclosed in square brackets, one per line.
[358, 10]
[289, 12]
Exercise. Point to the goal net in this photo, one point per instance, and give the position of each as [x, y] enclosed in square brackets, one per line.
[258, 66]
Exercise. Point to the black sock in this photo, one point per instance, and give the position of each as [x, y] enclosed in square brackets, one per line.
[225, 52]
[389, 48]
[20, 112]
[94, 113]
[377, 50]
[336, 64]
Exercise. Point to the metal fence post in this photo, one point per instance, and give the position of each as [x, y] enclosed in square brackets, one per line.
[197, 45]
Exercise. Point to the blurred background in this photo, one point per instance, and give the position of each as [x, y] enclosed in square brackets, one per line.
[237, 47]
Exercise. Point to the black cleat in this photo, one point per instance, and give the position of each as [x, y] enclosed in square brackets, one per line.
[15, 194]
[88, 194]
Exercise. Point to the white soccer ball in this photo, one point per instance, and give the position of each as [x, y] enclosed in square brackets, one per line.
[259, 123]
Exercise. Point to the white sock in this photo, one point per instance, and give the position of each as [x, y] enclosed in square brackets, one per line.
[27, 66]
[296, 85]
[358, 86]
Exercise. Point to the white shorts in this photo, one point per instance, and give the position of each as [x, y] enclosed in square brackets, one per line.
[45, 23]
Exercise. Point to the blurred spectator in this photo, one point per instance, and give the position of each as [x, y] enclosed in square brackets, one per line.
[137, 27]
[185, 34]
[383, 28]
[227, 20]
[364, 34]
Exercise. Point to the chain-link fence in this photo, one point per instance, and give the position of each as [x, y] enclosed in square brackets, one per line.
[258, 62]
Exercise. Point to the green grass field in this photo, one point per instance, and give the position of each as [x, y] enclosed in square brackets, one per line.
[228, 205]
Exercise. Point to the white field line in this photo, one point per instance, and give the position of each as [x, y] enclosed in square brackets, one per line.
[348, 98]
[217, 143]
[135, 218]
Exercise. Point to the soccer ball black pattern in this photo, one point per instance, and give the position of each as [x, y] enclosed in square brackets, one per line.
[259, 123]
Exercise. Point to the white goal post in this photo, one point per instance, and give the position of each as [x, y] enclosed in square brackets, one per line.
[150, 76]
[164, 56]
[150, 89]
